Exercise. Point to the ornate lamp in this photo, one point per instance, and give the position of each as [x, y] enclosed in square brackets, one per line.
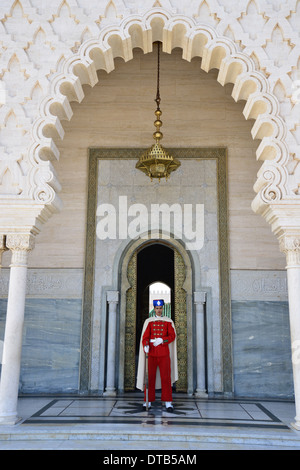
[156, 162]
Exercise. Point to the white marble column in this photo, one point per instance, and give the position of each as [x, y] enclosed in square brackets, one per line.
[290, 245]
[199, 300]
[20, 245]
[112, 300]
[2, 249]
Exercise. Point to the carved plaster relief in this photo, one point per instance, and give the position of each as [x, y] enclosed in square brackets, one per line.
[94, 36]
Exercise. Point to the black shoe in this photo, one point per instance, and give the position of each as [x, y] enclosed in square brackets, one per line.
[170, 409]
[145, 408]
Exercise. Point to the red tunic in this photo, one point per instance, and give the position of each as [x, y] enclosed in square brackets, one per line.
[159, 329]
[159, 356]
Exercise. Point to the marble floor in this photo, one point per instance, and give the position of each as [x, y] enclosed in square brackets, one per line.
[187, 412]
[104, 423]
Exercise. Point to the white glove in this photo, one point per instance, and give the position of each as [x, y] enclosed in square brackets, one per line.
[146, 349]
[157, 341]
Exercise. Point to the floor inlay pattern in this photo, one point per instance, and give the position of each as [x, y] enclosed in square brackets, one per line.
[187, 412]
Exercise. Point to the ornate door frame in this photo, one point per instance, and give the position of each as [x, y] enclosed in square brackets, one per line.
[183, 314]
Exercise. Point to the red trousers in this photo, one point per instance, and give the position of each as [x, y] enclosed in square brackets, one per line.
[164, 364]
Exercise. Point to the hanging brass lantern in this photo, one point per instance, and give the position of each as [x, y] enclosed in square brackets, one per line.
[156, 161]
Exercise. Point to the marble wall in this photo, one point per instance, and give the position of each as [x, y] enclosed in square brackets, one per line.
[261, 334]
[52, 329]
[51, 345]
[261, 349]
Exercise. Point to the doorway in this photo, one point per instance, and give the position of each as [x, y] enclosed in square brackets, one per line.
[155, 262]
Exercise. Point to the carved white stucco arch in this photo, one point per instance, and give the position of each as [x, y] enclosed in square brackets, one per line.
[118, 40]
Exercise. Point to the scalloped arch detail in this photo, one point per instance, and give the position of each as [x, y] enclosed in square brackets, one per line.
[200, 40]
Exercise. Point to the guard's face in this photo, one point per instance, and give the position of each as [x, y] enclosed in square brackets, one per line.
[158, 310]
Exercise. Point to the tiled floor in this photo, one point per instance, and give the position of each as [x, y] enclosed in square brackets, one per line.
[87, 423]
[187, 412]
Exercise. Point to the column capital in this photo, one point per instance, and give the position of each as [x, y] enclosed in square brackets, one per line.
[112, 296]
[284, 218]
[20, 244]
[199, 297]
[290, 245]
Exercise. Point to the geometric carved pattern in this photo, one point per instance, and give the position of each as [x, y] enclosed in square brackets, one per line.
[180, 321]
[50, 53]
[130, 325]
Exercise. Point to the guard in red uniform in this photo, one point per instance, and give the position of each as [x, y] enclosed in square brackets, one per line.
[158, 334]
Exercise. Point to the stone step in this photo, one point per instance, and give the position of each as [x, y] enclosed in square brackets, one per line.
[214, 435]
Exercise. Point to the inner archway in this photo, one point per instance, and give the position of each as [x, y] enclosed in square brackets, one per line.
[175, 272]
